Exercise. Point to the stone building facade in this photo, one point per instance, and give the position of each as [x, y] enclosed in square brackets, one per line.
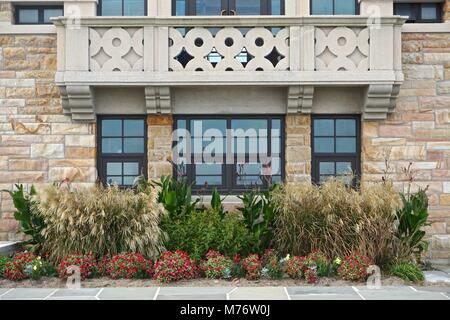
[40, 142]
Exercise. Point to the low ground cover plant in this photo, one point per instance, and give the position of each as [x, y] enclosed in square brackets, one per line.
[407, 271]
[130, 266]
[354, 267]
[217, 266]
[3, 262]
[252, 267]
[85, 262]
[174, 266]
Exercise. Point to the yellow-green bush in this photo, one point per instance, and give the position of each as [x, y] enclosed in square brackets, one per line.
[336, 219]
[100, 220]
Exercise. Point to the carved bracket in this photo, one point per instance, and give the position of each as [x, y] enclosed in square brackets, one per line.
[300, 99]
[78, 101]
[380, 100]
[157, 100]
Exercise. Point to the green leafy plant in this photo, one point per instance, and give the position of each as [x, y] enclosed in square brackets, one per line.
[216, 266]
[411, 218]
[321, 261]
[217, 203]
[31, 222]
[272, 267]
[204, 230]
[259, 212]
[176, 196]
[3, 262]
[407, 271]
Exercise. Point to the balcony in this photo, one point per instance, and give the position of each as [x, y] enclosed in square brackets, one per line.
[299, 53]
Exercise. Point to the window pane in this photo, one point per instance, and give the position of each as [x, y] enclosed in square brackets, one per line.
[322, 7]
[131, 168]
[208, 7]
[202, 169]
[111, 8]
[28, 16]
[111, 128]
[276, 143]
[50, 13]
[128, 181]
[114, 180]
[210, 180]
[326, 168]
[248, 7]
[133, 145]
[133, 128]
[346, 145]
[180, 8]
[323, 128]
[200, 127]
[428, 11]
[112, 145]
[114, 168]
[248, 168]
[404, 9]
[134, 7]
[345, 127]
[276, 7]
[249, 180]
[250, 126]
[344, 7]
[324, 145]
[343, 168]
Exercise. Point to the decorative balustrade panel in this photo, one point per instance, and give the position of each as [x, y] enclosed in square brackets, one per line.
[228, 49]
[116, 49]
[342, 49]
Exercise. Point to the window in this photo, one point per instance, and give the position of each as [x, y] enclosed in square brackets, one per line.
[122, 8]
[335, 148]
[37, 14]
[227, 7]
[334, 7]
[121, 149]
[419, 12]
[229, 153]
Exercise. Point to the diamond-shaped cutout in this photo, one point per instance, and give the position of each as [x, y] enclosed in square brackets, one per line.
[184, 57]
[327, 56]
[274, 57]
[356, 56]
[101, 57]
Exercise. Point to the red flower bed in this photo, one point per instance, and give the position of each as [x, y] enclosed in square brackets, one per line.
[130, 266]
[86, 263]
[174, 266]
[252, 267]
[15, 270]
[295, 267]
[354, 267]
[216, 266]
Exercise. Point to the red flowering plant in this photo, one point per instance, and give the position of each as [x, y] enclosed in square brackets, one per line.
[252, 267]
[130, 266]
[237, 270]
[216, 266]
[321, 261]
[86, 263]
[354, 267]
[295, 267]
[13, 273]
[272, 267]
[103, 265]
[15, 270]
[311, 274]
[174, 266]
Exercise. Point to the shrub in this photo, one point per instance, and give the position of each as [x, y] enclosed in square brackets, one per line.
[86, 263]
[252, 267]
[336, 219]
[102, 220]
[295, 267]
[204, 230]
[354, 267]
[130, 266]
[31, 221]
[3, 262]
[407, 271]
[217, 266]
[13, 272]
[174, 266]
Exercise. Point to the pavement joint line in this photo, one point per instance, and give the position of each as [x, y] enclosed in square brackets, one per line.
[51, 293]
[231, 291]
[413, 289]
[74, 297]
[156, 293]
[358, 293]
[97, 295]
[287, 293]
[445, 295]
[1, 295]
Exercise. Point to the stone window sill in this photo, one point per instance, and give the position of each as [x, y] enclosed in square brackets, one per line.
[27, 29]
[426, 27]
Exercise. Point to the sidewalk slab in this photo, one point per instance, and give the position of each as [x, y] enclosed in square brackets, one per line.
[436, 277]
[193, 293]
[127, 294]
[255, 293]
[83, 292]
[398, 293]
[323, 293]
[27, 294]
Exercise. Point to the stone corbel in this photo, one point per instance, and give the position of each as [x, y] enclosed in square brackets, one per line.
[78, 102]
[380, 100]
[157, 100]
[300, 99]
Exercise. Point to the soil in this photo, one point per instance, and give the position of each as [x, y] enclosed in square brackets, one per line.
[105, 282]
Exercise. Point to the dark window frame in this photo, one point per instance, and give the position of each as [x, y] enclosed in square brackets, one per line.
[99, 8]
[229, 174]
[40, 8]
[357, 8]
[354, 158]
[103, 158]
[416, 8]
[227, 5]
